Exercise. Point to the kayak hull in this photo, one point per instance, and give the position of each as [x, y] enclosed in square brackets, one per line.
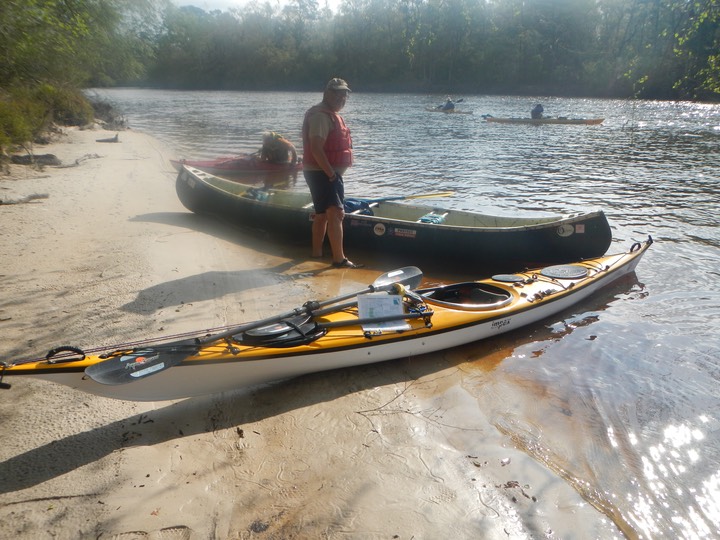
[542, 121]
[447, 111]
[224, 366]
[483, 242]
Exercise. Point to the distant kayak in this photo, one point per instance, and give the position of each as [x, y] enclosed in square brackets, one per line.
[447, 111]
[557, 120]
[237, 165]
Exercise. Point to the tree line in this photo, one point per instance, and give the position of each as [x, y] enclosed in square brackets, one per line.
[656, 49]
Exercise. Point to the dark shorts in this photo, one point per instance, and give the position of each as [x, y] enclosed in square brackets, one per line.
[324, 192]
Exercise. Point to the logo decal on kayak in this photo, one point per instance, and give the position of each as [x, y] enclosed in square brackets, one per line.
[565, 230]
[379, 229]
[497, 325]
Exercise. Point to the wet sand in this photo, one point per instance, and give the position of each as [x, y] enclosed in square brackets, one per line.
[393, 450]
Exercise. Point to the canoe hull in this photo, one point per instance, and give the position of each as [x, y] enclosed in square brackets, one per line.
[543, 121]
[218, 368]
[479, 244]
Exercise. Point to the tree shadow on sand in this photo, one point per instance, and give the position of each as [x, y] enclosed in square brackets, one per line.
[255, 239]
[212, 285]
[216, 284]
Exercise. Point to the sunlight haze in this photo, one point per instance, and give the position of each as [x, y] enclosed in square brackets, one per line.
[223, 5]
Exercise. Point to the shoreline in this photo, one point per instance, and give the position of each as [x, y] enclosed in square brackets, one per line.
[399, 449]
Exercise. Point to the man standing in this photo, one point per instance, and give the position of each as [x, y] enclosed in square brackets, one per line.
[327, 154]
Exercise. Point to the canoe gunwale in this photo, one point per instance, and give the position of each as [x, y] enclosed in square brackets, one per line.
[539, 242]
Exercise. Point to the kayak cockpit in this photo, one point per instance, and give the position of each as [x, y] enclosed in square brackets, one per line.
[469, 295]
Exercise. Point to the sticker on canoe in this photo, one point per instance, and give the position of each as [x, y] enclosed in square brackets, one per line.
[565, 230]
[405, 233]
[379, 229]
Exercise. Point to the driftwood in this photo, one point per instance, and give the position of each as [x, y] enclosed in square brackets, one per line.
[41, 159]
[111, 139]
[26, 199]
[80, 160]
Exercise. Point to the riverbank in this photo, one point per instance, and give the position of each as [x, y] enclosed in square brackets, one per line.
[107, 254]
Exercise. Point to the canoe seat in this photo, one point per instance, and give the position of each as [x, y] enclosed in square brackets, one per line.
[257, 194]
[358, 206]
[469, 295]
[432, 217]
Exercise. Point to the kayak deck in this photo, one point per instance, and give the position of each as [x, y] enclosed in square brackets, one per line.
[432, 319]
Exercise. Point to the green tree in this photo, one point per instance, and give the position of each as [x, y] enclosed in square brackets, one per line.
[51, 48]
[698, 48]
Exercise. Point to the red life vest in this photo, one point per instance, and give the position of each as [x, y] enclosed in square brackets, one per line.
[338, 145]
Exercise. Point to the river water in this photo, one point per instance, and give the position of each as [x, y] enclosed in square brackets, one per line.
[617, 397]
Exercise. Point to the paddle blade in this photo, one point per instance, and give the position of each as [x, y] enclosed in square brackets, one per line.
[410, 276]
[135, 365]
[431, 195]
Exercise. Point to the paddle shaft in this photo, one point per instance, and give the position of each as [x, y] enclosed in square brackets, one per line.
[309, 309]
[136, 365]
[458, 101]
[406, 197]
[371, 320]
[406, 276]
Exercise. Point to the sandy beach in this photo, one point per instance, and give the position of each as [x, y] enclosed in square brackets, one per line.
[98, 251]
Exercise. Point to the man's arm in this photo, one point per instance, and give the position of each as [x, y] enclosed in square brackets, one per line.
[317, 146]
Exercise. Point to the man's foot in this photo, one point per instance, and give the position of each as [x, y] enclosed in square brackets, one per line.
[346, 264]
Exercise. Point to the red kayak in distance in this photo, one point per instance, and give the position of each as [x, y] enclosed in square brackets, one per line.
[239, 165]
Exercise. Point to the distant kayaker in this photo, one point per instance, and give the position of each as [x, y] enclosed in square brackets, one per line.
[448, 106]
[537, 112]
[327, 154]
[277, 149]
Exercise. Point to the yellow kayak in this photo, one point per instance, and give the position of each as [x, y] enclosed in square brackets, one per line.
[390, 319]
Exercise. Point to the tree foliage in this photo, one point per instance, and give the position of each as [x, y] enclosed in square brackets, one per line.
[642, 48]
[664, 49]
[49, 49]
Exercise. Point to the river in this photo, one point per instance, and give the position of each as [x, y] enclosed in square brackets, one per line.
[618, 398]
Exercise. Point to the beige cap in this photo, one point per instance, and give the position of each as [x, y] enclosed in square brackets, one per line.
[337, 84]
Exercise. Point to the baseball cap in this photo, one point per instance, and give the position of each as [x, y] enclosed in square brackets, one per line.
[337, 84]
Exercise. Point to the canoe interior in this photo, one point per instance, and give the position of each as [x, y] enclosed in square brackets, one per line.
[387, 210]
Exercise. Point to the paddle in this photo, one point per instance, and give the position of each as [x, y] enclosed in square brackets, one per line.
[458, 101]
[404, 197]
[137, 364]
[375, 320]
[409, 276]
